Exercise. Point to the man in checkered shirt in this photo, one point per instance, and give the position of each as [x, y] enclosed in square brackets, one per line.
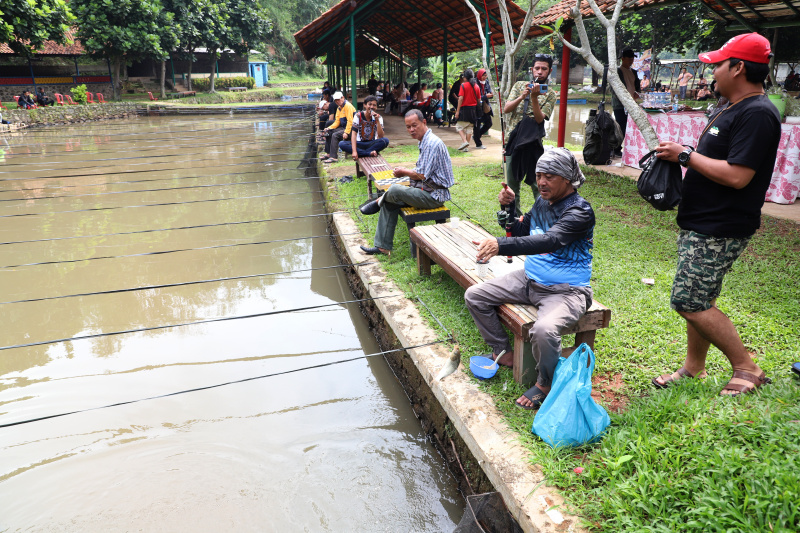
[429, 184]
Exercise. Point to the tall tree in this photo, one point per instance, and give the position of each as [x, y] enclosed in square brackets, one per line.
[196, 19]
[122, 30]
[26, 24]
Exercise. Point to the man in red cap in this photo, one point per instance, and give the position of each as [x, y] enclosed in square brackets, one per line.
[720, 210]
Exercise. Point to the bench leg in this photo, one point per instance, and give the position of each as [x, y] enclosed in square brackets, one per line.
[525, 372]
[410, 242]
[423, 263]
[580, 338]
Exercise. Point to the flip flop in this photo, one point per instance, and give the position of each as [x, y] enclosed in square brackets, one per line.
[667, 378]
[330, 160]
[796, 368]
[534, 394]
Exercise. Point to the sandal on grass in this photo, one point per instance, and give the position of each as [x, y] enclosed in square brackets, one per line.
[755, 383]
[535, 395]
[667, 378]
[330, 160]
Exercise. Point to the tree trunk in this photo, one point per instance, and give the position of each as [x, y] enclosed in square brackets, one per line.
[772, 69]
[189, 78]
[213, 73]
[162, 74]
[115, 83]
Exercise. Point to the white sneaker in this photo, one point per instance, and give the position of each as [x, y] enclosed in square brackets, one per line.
[463, 145]
[481, 147]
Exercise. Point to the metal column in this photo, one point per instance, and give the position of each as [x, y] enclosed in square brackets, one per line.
[562, 107]
[353, 89]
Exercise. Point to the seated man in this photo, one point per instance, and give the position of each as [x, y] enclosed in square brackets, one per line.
[556, 235]
[25, 101]
[42, 99]
[429, 184]
[369, 138]
[339, 128]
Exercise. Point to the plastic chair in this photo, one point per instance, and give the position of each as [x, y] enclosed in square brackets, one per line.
[89, 98]
[154, 99]
[59, 98]
[100, 99]
[69, 100]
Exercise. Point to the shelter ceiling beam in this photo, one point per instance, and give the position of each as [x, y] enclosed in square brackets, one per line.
[792, 7]
[363, 16]
[751, 10]
[432, 21]
[766, 25]
[417, 37]
[735, 14]
[479, 7]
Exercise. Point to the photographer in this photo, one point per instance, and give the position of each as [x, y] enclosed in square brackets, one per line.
[524, 145]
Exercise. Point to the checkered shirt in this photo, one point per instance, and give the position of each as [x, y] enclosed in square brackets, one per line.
[434, 163]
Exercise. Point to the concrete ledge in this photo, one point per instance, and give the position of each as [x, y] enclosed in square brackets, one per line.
[68, 114]
[471, 412]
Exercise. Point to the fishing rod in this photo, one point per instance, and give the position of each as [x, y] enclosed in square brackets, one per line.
[185, 283]
[146, 163]
[94, 194]
[499, 92]
[172, 229]
[159, 170]
[193, 323]
[113, 183]
[226, 383]
[179, 250]
[156, 205]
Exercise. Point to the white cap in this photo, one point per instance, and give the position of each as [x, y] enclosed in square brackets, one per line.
[337, 95]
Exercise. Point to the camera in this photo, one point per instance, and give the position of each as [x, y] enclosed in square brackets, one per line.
[542, 87]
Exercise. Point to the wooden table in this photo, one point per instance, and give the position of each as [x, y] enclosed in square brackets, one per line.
[452, 249]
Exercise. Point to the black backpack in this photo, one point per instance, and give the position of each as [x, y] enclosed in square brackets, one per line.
[601, 136]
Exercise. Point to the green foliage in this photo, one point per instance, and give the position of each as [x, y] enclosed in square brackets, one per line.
[435, 68]
[26, 24]
[203, 84]
[79, 94]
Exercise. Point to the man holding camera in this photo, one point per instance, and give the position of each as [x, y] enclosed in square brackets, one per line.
[530, 103]
[341, 126]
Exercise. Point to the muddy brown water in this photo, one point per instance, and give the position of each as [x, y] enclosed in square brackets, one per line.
[331, 448]
[577, 114]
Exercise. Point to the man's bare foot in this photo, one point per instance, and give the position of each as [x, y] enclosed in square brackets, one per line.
[373, 154]
[507, 359]
[533, 397]
[665, 379]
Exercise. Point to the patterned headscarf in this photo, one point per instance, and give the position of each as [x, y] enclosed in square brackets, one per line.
[561, 162]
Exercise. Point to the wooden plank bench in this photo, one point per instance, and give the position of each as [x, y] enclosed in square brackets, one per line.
[237, 89]
[452, 249]
[369, 167]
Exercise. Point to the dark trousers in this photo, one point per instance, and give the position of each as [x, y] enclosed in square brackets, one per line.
[364, 148]
[622, 119]
[333, 137]
[482, 126]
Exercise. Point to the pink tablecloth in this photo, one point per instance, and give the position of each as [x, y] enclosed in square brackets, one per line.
[685, 128]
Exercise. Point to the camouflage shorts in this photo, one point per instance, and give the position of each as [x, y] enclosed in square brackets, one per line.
[703, 261]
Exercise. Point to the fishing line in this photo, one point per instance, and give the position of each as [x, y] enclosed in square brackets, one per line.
[207, 321]
[218, 385]
[184, 283]
[155, 205]
[101, 167]
[113, 183]
[163, 252]
[156, 170]
[171, 229]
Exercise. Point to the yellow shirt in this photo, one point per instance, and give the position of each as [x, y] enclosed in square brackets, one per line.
[346, 111]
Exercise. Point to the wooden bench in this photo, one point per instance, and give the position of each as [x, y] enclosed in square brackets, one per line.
[453, 250]
[370, 167]
[235, 89]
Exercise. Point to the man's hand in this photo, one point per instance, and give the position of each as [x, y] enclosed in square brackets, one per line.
[669, 151]
[355, 156]
[346, 136]
[506, 195]
[399, 172]
[487, 248]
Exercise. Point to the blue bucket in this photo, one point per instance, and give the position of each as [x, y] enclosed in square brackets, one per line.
[478, 364]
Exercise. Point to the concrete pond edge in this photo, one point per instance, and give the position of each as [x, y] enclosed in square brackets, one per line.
[456, 401]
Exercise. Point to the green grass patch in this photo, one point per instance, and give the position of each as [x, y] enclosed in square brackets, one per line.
[683, 459]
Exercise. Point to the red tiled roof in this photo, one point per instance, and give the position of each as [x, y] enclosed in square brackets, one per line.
[71, 47]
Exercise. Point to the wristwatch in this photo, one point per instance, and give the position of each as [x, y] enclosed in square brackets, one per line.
[683, 157]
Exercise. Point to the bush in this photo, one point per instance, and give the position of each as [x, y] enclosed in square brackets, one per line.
[203, 84]
[79, 94]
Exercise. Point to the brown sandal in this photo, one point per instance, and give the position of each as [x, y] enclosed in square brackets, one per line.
[667, 378]
[756, 382]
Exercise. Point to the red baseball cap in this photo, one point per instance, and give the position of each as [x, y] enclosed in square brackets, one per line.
[749, 47]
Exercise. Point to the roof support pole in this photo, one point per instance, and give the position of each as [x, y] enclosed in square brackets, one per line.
[353, 88]
[419, 64]
[562, 107]
[77, 70]
[402, 66]
[444, 79]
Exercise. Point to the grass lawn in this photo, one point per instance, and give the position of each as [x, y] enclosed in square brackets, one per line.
[683, 459]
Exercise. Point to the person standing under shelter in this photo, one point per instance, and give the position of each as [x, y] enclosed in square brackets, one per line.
[368, 126]
[723, 193]
[339, 128]
[630, 78]
[683, 83]
[372, 85]
[429, 184]
[467, 111]
[524, 143]
[557, 236]
[484, 123]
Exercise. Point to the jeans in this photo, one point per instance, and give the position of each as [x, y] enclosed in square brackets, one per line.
[364, 148]
[682, 92]
[394, 199]
[482, 126]
[559, 307]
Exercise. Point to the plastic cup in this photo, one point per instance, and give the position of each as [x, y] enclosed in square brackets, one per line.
[455, 222]
[483, 269]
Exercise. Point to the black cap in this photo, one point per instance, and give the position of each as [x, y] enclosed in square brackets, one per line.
[627, 52]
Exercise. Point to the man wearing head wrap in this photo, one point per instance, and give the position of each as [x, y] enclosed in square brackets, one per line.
[556, 235]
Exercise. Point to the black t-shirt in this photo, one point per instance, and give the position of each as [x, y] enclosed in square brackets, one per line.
[745, 134]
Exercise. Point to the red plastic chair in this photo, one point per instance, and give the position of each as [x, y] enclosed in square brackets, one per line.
[100, 99]
[89, 98]
[59, 98]
[154, 99]
[69, 100]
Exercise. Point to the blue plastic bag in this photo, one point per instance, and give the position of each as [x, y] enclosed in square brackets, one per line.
[569, 416]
